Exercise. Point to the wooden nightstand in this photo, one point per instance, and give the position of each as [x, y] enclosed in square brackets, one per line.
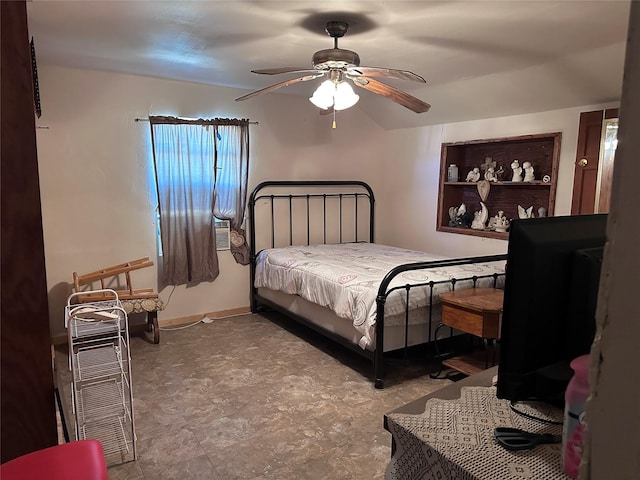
[477, 311]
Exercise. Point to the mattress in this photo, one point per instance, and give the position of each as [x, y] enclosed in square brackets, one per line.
[418, 331]
[345, 278]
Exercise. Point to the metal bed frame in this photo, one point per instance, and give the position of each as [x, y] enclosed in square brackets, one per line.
[357, 192]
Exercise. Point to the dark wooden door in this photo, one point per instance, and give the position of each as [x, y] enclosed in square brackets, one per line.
[27, 395]
[587, 160]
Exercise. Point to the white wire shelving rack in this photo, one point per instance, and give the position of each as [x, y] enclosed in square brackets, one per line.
[100, 363]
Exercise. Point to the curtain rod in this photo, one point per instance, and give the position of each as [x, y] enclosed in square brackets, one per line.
[147, 119]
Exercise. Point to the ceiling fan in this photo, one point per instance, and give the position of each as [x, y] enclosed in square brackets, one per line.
[341, 66]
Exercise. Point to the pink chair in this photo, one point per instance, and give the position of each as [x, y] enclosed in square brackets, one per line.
[81, 460]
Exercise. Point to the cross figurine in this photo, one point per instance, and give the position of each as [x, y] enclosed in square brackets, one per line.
[488, 162]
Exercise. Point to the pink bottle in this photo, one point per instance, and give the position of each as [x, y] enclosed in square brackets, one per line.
[575, 398]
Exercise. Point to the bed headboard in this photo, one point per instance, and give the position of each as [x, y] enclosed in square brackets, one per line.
[289, 212]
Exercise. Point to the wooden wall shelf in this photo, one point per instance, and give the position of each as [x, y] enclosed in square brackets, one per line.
[542, 150]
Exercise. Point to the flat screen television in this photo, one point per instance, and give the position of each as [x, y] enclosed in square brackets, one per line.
[551, 290]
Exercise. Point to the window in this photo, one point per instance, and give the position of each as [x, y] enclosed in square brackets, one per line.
[201, 171]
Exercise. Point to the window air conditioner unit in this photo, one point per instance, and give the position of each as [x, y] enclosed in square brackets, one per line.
[223, 235]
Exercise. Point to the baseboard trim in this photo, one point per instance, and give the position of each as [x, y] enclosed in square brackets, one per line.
[61, 339]
[172, 322]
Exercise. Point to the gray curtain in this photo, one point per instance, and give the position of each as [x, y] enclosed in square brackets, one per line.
[232, 170]
[184, 157]
[201, 169]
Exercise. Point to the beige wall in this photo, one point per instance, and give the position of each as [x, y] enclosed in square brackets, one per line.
[408, 206]
[96, 178]
[96, 172]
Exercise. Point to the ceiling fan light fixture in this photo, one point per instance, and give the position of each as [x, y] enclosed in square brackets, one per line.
[323, 96]
[339, 95]
[344, 97]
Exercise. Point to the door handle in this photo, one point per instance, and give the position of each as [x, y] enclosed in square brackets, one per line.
[583, 162]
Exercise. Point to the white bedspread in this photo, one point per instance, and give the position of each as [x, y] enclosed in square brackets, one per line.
[346, 277]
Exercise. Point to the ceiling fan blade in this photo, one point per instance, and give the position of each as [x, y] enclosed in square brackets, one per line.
[286, 83]
[392, 93]
[276, 71]
[384, 72]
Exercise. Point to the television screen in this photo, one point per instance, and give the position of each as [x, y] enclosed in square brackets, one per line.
[551, 289]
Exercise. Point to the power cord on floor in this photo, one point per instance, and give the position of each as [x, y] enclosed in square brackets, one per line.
[166, 304]
[204, 319]
[165, 329]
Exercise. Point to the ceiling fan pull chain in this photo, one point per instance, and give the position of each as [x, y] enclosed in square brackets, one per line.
[334, 120]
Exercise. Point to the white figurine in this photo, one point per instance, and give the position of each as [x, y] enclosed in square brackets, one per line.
[480, 218]
[500, 222]
[473, 175]
[453, 216]
[490, 175]
[522, 213]
[456, 214]
[517, 171]
[528, 172]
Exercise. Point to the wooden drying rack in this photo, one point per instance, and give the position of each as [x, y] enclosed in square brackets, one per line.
[107, 276]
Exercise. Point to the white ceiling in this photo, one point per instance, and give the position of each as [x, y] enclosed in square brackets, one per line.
[480, 58]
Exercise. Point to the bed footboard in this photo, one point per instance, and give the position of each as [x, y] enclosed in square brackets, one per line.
[384, 291]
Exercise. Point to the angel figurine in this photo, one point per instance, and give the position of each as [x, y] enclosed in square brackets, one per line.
[480, 218]
[490, 175]
[473, 175]
[500, 222]
[522, 213]
[528, 172]
[456, 215]
[517, 171]
[453, 216]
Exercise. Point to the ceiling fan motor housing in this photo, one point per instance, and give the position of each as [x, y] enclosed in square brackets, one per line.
[336, 29]
[335, 58]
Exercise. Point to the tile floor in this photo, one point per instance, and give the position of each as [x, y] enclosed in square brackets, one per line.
[250, 398]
